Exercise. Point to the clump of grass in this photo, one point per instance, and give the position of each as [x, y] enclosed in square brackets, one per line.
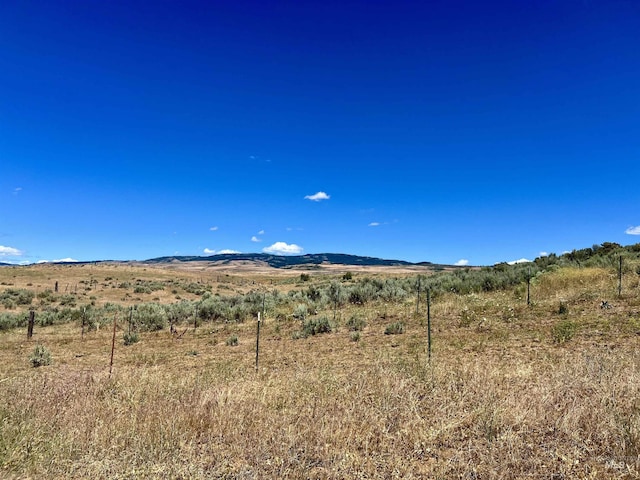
[40, 357]
[355, 336]
[563, 308]
[130, 338]
[356, 324]
[232, 341]
[395, 328]
[563, 331]
[315, 326]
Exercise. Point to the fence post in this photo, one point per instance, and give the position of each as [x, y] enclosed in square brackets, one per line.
[32, 321]
[113, 344]
[429, 323]
[258, 341]
[529, 287]
[620, 277]
[418, 299]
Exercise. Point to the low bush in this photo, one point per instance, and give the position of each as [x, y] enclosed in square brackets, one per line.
[130, 338]
[315, 326]
[356, 324]
[396, 328]
[40, 356]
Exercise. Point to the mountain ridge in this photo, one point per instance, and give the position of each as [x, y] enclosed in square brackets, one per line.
[289, 261]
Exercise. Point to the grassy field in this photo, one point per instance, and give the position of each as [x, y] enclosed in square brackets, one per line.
[549, 390]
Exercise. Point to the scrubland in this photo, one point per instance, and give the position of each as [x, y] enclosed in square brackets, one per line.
[545, 390]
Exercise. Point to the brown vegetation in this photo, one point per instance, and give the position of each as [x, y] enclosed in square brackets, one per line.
[504, 395]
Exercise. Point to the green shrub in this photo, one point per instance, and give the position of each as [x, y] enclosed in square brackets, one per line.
[40, 356]
[10, 320]
[16, 296]
[355, 336]
[232, 341]
[315, 326]
[130, 338]
[396, 328]
[356, 324]
[300, 312]
[150, 317]
[563, 331]
[68, 300]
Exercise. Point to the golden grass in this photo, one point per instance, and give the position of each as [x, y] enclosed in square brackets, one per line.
[499, 398]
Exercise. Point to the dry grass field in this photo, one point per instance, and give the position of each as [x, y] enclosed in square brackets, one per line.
[550, 390]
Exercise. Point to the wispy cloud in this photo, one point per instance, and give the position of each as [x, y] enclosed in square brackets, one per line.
[282, 248]
[17, 190]
[633, 230]
[463, 262]
[261, 232]
[213, 229]
[9, 252]
[255, 239]
[374, 224]
[65, 260]
[317, 197]
[544, 254]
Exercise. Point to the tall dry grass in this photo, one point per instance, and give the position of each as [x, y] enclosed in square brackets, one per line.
[499, 398]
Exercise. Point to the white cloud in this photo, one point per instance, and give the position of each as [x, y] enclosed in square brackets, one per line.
[316, 197]
[261, 232]
[522, 260]
[208, 251]
[9, 252]
[255, 239]
[213, 229]
[462, 262]
[65, 260]
[42, 261]
[544, 254]
[17, 190]
[282, 248]
[374, 224]
[633, 230]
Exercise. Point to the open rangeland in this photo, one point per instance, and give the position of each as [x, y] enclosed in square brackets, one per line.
[343, 388]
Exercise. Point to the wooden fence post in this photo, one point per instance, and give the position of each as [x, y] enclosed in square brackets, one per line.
[418, 299]
[113, 344]
[429, 323]
[32, 321]
[258, 342]
[620, 277]
[529, 287]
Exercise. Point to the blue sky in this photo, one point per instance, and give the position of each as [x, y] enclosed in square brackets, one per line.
[442, 131]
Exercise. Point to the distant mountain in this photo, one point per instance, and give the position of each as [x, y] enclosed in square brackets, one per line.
[281, 261]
